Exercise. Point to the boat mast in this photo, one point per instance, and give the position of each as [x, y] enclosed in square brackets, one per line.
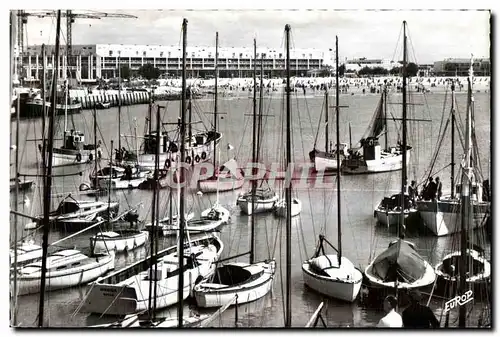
[120, 109]
[44, 111]
[109, 182]
[48, 179]
[254, 151]
[465, 202]
[401, 227]
[339, 255]
[16, 203]
[288, 188]
[326, 117]
[350, 136]
[95, 153]
[384, 95]
[215, 97]
[182, 159]
[452, 140]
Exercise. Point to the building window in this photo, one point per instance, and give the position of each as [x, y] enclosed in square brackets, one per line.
[110, 53]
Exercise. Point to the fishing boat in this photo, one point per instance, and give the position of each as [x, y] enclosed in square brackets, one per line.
[333, 275]
[33, 105]
[280, 207]
[399, 267]
[442, 216]
[120, 177]
[245, 281]
[249, 281]
[327, 160]
[368, 156]
[65, 269]
[127, 291]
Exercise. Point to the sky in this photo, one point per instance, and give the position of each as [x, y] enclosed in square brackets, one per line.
[433, 34]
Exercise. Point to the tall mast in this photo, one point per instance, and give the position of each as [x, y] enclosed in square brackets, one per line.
[326, 117]
[95, 153]
[181, 174]
[119, 107]
[16, 195]
[384, 95]
[261, 99]
[465, 202]
[44, 110]
[215, 93]
[254, 150]
[288, 188]
[337, 92]
[452, 140]
[403, 170]
[48, 179]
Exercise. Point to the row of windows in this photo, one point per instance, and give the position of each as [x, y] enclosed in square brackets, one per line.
[193, 54]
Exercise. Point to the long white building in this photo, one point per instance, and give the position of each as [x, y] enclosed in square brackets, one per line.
[89, 62]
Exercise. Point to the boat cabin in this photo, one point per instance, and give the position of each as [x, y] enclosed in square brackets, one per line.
[371, 148]
[150, 141]
[74, 140]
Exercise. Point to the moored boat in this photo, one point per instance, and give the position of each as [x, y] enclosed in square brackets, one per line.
[280, 207]
[264, 201]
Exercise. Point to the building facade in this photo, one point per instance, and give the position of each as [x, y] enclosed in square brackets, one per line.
[357, 64]
[90, 62]
[461, 66]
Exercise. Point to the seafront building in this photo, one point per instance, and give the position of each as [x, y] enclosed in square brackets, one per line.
[90, 62]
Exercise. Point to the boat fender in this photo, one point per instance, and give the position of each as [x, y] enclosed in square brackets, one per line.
[167, 163]
[203, 155]
[197, 159]
[188, 160]
[78, 157]
[91, 157]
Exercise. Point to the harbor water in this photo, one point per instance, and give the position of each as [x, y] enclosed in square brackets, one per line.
[362, 239]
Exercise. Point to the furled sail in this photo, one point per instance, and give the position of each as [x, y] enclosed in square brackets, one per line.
[376, 126]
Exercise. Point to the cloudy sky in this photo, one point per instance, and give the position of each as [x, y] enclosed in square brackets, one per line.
[434, 35]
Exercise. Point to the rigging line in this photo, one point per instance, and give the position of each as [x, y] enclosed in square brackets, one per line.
[397, 44]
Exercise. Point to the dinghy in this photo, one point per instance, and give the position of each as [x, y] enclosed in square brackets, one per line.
[216, 212]
[479, 268]
[65, 269]
[118, 241]
[249, 281]
[264, 201]
[127, 291]
[388, 212]
[228, 178]
[280, 207]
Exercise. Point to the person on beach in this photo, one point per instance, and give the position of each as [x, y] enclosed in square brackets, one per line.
[418, 316]
[392, 319]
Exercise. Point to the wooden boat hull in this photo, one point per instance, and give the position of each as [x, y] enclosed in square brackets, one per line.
[345, 286]
[209, 295]
[326, 162]
[443, 217]
[224, 184]
[30, 284]
[103, 243]
[391, 218]
[127, 290]
[261, 205]
[386, 164]
[64, 157]
[224, 214]
[194, 226]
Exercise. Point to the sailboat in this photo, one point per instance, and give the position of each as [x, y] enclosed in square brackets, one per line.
[166, 277]
[63, 268]
[477, 266]
[227, 177]
[441, 216]
[368, 156]
[400, 266]
[263, 198]
[327, 160]
[248, 281]
[333, 275]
